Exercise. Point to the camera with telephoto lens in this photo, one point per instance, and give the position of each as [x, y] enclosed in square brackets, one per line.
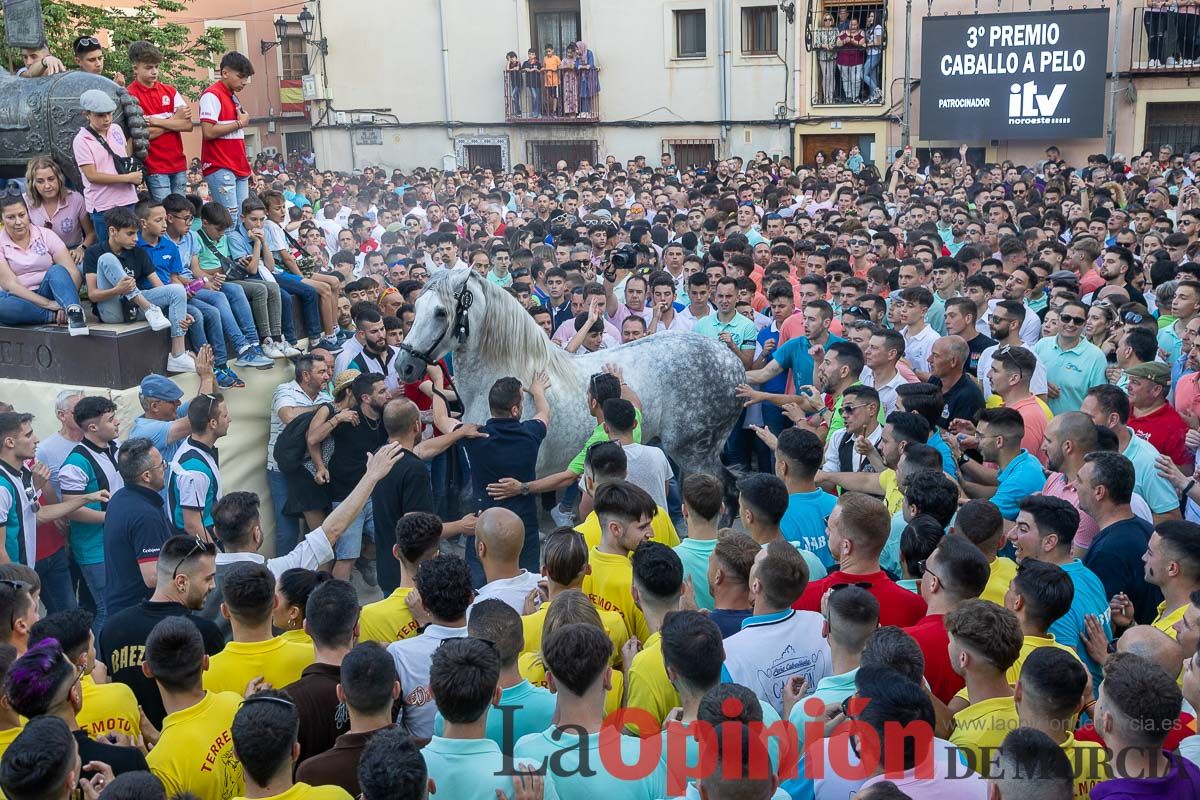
[623, 256]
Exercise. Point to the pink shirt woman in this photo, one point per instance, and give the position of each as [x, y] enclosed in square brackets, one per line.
[53, 205]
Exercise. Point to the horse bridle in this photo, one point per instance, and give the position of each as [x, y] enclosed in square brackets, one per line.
[459, 328]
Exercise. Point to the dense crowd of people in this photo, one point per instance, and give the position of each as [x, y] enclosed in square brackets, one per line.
[956, 552]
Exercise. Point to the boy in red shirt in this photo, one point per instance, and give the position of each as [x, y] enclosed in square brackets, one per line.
[223, 122]
[167, 116]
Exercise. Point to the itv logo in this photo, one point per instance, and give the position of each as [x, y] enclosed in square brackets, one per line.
[1024, 100]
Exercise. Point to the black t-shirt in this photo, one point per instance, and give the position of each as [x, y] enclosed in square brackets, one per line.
[509, 451]
[1116, 558]
[964, 400]
[977, 346]
[136, 262]
[135, 527]
[122, 647]
[351, 444]
[121, 759]
[407, 487]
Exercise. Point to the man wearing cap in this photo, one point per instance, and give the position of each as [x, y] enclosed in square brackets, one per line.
[1152, 417]
[164, 417]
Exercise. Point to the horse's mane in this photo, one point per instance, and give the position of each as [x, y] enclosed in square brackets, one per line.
[508, 335]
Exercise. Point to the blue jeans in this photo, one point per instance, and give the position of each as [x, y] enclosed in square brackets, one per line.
[287, 529]
[349, 545]
[100, 226]
[93, 576]
[535, 101]
[869, 71]
[207, 329]
[172, 297]
[58, 285]
[310, 308]
[55, 573]
[287, 322]
[229, 322]
[228, 189]
[239, 306]
[167, 183]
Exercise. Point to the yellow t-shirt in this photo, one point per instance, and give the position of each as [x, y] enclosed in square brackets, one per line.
[6, 737]
[302, 791]
[533, 670]
[195, 752]
[982, 727]
[387, 620]
[610, 588]
[649, 687]
[279, 661]
[108, 708]
[1030, 644]
[892, 495]
[1166, 624]
[664, 529]
[299, 636]
[1003, 570]
[1089, 765]
[614, 626]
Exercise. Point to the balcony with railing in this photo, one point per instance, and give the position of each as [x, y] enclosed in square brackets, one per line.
[847, 44]
[564, 95]
[1166, 40]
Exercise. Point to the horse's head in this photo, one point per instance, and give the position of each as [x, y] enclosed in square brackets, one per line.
[448, 310]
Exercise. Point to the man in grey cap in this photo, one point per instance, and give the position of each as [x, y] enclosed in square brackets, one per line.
[164, 419]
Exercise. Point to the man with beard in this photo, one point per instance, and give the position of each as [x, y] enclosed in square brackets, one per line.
[1005, 322]
[185, 573]
[351, 445]
[375, 356]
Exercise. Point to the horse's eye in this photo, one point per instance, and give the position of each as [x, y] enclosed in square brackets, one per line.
[440, 313]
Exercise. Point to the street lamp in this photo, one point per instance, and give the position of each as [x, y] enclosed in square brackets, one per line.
[306, 20]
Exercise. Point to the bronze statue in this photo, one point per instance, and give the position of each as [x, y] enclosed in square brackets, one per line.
[42, 115]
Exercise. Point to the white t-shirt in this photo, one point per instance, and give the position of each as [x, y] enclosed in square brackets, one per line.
[648, 469]
[512, 591]
[917, 347]
[53, 451]
[1036, 386]
[413, 658]
[887, 392]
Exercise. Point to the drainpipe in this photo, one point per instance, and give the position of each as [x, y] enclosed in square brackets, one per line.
[1114, 83]
[723, 46]
[905, 130]
[445, 69]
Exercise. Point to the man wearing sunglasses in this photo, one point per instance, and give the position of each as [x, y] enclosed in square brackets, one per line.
[89, 55]
[1076, 363]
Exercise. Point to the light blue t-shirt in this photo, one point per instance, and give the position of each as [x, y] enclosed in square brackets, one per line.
[793, 355]
[1075, 371]
[694, 553]
[831, 689]
[1089, 599]
[524, 709]
[1022, 477]
[565, 747]
[804, 523]
[470, 769]
[1154, 489]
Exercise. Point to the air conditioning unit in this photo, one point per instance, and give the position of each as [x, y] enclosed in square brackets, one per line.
[313, 87]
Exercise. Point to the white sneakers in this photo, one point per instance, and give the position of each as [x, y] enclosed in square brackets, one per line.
[273, 350]
[183, 362]
[158, 321]
[76, 321]
[290, 350]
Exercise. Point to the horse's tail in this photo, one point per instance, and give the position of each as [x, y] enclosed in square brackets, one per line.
[729, 492]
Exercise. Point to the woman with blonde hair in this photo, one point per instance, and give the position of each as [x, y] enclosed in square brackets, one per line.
[52, 205]
[569, 607]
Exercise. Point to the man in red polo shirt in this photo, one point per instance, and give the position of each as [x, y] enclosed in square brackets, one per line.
[167, 115]
[1151, 417]
[858, 529]
[223, 122]
[955, 572]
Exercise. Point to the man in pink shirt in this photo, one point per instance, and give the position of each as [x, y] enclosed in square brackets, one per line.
[1069, 437]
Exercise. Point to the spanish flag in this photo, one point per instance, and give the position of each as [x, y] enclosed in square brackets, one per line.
[291, 96]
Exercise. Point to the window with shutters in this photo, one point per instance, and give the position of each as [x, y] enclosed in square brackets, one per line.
[229, 39]
[293, 53]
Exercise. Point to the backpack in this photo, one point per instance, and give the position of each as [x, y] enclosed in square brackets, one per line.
[291, 446]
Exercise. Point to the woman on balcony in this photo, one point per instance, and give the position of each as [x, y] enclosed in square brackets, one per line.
[850, 57]
[569, 78]
[825, 40]
[874, 33]
[589, 80]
